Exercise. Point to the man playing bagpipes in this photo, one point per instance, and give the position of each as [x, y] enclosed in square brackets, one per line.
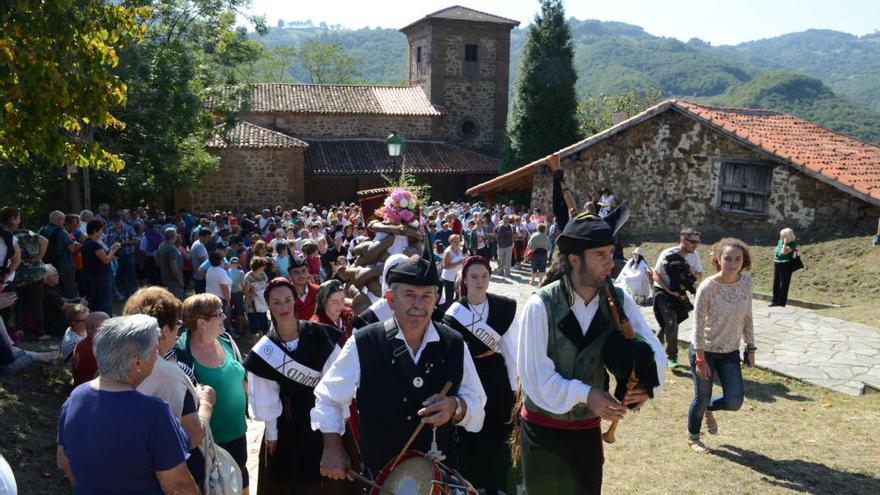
[572, 331]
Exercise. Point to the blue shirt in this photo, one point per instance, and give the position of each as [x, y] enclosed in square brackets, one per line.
[116, 441]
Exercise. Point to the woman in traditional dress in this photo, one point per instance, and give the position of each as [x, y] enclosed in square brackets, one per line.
[283, 369]
[489, 326]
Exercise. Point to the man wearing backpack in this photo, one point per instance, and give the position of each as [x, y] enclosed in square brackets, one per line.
[671, 304]
[59, 253]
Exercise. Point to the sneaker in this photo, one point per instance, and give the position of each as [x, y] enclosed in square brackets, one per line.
[697, 445]
[711, 423]
[672, 363]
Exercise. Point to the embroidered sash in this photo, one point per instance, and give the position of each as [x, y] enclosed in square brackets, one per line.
[278, 358]
[474, 324]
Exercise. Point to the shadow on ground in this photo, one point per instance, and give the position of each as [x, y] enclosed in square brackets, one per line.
[770, 392]
[801, 476]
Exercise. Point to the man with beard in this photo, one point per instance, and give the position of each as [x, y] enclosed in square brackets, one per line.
[397, 368]
[568, 329]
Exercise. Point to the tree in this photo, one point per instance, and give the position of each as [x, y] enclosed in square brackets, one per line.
[56, 77]
[543, 116]
[327, 63]
[273, 66]
[595, 112]
[191, 49]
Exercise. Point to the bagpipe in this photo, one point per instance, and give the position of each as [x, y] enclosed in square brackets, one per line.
[625, 356]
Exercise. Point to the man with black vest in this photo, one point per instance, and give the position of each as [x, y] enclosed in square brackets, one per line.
[397, 368]
[569, 338]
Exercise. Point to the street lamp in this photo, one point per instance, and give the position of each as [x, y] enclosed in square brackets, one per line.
[396, 148]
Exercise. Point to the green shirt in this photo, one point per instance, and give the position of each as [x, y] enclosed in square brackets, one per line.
[228, 419]
[782, 258]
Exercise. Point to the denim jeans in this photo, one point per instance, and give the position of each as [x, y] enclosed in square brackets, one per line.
[126, 280]
[725, 367]
[100, 292]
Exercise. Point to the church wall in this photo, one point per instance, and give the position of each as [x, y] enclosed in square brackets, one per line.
[343, 126]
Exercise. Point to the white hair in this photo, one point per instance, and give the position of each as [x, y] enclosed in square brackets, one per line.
[121, 339]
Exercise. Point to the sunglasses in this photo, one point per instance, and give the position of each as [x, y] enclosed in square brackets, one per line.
[693, 241]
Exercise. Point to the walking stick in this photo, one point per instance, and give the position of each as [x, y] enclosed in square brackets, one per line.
[412, 438]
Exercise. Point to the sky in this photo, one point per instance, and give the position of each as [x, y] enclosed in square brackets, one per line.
[719, 22]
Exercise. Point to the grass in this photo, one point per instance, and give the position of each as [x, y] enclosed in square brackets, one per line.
[843, 271]
[789, 437]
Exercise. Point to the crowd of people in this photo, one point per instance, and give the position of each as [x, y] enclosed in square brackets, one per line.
[153, 307]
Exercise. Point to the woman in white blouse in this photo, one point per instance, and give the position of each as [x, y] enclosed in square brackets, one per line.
[453, 258]
[283, 369]
[722, 318]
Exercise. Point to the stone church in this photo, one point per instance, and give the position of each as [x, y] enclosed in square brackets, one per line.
[300, 143]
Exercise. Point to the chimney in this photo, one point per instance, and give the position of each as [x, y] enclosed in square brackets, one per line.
[618, 117]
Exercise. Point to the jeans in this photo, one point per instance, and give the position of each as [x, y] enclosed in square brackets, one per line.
[199, 285]
[100, 292]
[665, 305]
[781, 281]
[126, 280]
[725, 367]
[449, 294]
[504, 254]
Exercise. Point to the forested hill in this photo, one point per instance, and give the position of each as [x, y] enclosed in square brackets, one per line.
[842, 92]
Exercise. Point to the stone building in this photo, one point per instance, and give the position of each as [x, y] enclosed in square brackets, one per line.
[452, 114]
[718, 169]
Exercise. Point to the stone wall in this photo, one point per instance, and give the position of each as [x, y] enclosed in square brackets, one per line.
[249, 178]
[344, 126]
[668, 168]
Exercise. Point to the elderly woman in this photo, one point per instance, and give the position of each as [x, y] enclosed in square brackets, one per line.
[96, 262]
[283, 369]
[331, 309]
[786, 249]
[131, 443]
[216, 361]
[76, 318]
[191, 406]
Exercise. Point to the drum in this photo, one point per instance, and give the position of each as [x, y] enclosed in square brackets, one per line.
[418, 474]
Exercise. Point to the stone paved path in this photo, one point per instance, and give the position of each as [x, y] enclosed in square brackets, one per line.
[794, 342]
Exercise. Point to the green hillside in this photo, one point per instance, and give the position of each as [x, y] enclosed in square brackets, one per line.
[849, 64]
[807, 98]
[842, 92]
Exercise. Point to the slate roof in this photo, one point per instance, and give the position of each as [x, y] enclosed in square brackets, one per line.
[459, 13]
[340, 99]
[842, 161]
[370, 157]
[247, 135]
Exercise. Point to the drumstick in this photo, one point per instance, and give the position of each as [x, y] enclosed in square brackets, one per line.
[412, 438]
[367, 481]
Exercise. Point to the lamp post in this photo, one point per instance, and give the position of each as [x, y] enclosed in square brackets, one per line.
[396, 146]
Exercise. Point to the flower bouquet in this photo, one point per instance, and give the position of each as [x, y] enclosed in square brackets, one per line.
[400, 208]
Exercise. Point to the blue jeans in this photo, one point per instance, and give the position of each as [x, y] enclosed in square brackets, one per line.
[126, 280]
[100, 292]
[724, 366]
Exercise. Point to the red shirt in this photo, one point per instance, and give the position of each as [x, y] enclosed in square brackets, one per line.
[456, 226]
[84, 365]
[305, 309]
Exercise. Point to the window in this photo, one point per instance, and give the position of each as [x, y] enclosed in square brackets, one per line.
[470, 53]
[418, 55]
[744, 186]
[468, 129]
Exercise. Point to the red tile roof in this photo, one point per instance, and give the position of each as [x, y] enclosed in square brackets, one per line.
[340, 99]
[459, 13]
[844, 162]
[370, 157]
[847, 161]
[247, 135]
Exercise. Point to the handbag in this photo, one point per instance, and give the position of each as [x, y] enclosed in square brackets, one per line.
[222, 474]
[796, 262]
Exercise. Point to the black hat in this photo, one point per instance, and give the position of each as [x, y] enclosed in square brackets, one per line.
[585, 231]
[422, 272]
[297, 261]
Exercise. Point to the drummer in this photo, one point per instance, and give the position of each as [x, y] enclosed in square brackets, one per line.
[283, 369]
[397, 369]
[489, 326]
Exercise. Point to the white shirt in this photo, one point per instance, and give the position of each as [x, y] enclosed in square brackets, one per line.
[339, 385]
[537, 373]
[264, 396]
[693, 259]
[449, 274]
[214, 278]
[3, 249]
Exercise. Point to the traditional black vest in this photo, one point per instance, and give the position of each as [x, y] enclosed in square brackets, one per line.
[298, 452]
[389, 395]
[491, 369]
